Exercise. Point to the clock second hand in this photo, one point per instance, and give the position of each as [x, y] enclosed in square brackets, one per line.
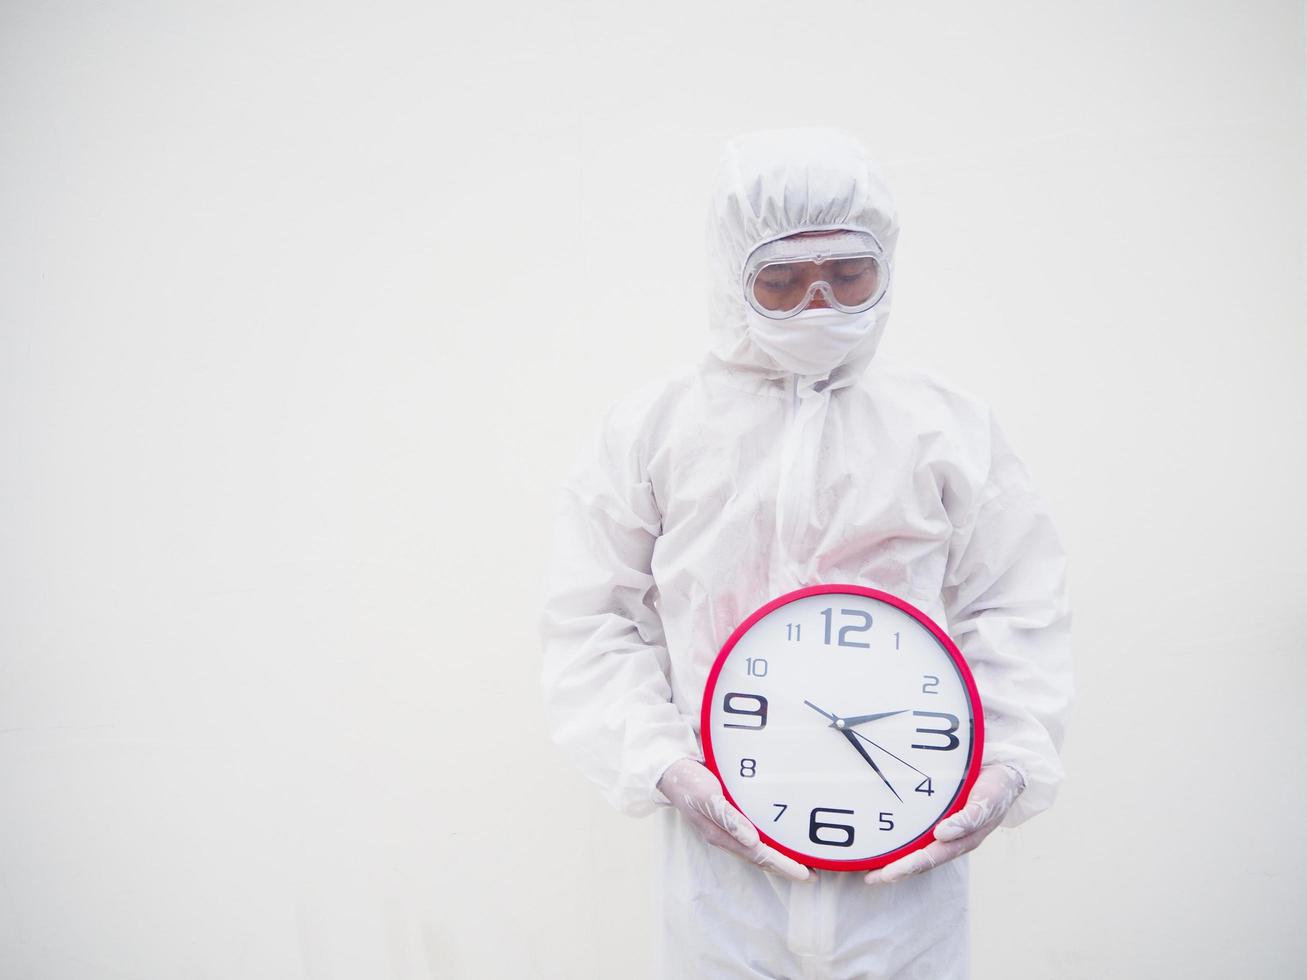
[889, 753]
[849, 734]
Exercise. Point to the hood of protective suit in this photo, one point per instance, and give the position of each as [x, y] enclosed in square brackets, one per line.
[776, 183]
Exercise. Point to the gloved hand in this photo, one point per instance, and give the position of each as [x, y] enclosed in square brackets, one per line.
[697, 793]
[996, 789]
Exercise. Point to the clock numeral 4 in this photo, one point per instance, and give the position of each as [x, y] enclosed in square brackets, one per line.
[924, 787]
[731, 702]
[815, 825]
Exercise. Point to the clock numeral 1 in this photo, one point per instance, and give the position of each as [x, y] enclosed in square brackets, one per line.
[815, 825]
[756, 666]
[784, 807]
[730, 701]
[792, 630]
[841, 641]
[886, 820]
[953, 742]
[896, 641]
[748, 767]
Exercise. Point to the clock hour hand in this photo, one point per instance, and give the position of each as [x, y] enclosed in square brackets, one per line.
[852, 737]
[859, 719]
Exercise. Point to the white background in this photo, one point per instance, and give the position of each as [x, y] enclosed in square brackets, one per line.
[305, 308]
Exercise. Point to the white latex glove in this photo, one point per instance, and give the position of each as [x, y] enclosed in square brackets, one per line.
[697, 793]
[996, 789]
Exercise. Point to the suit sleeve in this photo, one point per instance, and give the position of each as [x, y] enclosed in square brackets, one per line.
[605, 674]
[1006, 599]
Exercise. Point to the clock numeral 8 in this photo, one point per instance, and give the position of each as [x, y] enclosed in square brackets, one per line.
[748, 767]
[760, 712]
[815, 825]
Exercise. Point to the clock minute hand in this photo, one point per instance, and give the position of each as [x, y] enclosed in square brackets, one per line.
[859, 719]
[852, 737]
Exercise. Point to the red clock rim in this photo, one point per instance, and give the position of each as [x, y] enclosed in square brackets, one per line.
[973, 695]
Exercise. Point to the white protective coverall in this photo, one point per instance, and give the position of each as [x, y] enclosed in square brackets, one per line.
[707, 494]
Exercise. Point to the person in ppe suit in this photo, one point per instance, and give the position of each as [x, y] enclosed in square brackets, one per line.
[789, 456]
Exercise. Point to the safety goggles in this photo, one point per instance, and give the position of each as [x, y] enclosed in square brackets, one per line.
[847, 267]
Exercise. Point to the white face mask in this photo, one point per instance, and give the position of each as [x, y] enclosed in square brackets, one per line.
[811, 341]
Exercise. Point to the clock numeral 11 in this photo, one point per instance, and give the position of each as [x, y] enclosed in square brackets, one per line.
[792, 630]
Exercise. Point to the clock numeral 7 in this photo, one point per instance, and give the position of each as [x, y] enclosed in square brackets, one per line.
[733, 698]
[815, 825]
[953, 723]
[841, 641]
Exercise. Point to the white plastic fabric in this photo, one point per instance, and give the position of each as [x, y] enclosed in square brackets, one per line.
[704, 495]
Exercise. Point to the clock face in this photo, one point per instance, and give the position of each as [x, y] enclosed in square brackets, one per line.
[844, 724]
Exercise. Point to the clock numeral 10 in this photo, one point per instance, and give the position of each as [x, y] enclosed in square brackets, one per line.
[828, 614]
[730, 705]
[756, 666]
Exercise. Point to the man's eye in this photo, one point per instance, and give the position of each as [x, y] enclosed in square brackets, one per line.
[776, 283]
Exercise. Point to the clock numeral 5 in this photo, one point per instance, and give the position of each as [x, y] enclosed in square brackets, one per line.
[886, 820]
[732, 699]
[815, 825]
[866, 625]
[953, 742]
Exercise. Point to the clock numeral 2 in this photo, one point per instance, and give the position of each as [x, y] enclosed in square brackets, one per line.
[930, 684]
[760, 712]
[815, 825]
[866, 625]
